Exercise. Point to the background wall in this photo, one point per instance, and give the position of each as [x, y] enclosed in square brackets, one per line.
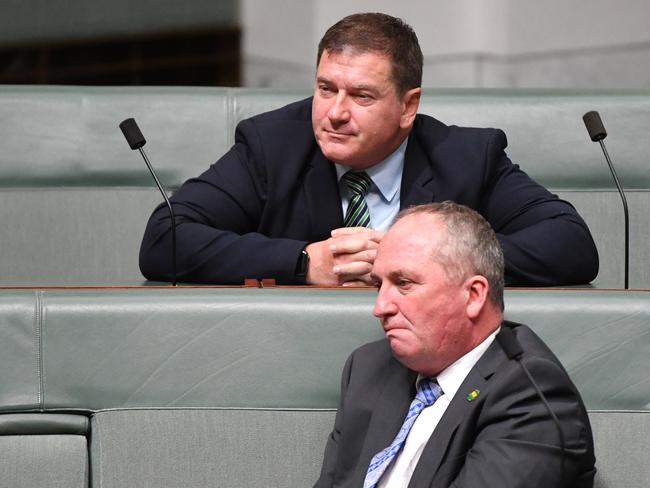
[466, 43]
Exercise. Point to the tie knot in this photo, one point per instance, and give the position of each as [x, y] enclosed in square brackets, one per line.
[358, 182]
[428, 391]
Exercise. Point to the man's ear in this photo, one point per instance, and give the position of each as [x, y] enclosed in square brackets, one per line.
[410, 104]
[477, 288]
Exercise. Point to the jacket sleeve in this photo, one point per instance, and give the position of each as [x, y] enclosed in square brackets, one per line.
[217, 217]
[544, 240]
[330, 458]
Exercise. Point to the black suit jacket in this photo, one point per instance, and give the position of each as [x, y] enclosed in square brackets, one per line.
[251, 213]
[503, 438]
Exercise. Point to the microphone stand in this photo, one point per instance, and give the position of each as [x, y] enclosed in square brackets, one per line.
[136, 140]
[171, 213]
[597, 132]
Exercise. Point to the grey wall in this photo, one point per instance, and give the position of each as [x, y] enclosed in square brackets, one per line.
[467, 43]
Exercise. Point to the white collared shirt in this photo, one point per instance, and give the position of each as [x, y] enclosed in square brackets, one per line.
[383, 197]
[398, 474]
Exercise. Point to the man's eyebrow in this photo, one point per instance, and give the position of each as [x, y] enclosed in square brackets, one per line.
[365, 87]
[354, 87]
[394, 275]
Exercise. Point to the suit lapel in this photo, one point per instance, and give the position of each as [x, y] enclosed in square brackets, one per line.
[418, 184]
[322, 196]
[398, 390]
[442, 438]
[460, 408]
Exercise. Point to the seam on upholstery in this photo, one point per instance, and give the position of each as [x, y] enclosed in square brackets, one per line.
[38, 346]
[252, 409]
[89, 471]
[617, 410]
[231, 105]
[95, 436]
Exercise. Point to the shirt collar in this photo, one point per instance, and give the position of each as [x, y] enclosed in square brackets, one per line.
[453, 375]
[386, 175]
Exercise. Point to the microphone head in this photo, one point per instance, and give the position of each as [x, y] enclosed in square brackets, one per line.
[594, 126]
[509, 343]
[132, 133]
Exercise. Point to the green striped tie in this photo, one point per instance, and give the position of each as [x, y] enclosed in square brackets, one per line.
[357, 214]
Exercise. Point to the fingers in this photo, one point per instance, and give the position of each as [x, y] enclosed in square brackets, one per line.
[353, 270]
[350, 231]
[346, 258]
[350, 245]
[355, 283]
[354, 250]
[367, 256]
[370, 234]
[354, 273]
[354, 242]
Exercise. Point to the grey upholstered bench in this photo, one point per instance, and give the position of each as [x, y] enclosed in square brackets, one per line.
[74, 198]
[238, 387]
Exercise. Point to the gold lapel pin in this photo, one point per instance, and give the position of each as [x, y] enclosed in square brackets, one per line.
[472, 395]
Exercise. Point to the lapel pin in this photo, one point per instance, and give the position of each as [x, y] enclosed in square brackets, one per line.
[472, 395]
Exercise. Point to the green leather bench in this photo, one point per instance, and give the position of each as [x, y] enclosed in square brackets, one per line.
[74, 198]
[116, 388]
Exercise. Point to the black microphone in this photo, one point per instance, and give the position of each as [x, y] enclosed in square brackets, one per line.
[136, 140]
[597, 132]
[510, 345]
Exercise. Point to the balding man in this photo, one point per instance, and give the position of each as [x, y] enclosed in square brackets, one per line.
[443, 401]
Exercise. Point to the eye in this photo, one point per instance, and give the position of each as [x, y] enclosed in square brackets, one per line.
[325, 91]
[404, 285]
[363, 98]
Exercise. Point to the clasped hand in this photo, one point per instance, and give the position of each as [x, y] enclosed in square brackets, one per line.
[344, 259]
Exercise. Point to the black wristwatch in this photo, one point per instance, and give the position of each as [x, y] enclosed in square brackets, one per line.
[303, 265]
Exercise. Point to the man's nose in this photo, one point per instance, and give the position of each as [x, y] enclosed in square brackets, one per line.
[384, 305]
[339, 111]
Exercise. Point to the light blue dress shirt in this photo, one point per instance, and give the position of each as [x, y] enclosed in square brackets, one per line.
[383, 197]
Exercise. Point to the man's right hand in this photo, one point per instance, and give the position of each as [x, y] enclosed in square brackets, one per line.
[345, 259]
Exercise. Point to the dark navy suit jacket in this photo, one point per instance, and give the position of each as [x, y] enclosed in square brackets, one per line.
[252, 212]
[503, 438]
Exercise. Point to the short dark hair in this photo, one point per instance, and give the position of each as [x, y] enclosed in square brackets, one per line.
[381, 33]
[471, 248]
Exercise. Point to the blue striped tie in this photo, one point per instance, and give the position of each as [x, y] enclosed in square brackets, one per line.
[428, 392]
[357, 214]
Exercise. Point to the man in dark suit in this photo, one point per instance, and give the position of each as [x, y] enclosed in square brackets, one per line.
[279, 204]
[476, 419]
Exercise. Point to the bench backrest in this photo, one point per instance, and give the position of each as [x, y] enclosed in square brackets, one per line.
[184, 387]
[74, 198]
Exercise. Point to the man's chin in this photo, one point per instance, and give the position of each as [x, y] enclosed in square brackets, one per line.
[344, 156]
[400, 348]
[409, 357]
[337, 153]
